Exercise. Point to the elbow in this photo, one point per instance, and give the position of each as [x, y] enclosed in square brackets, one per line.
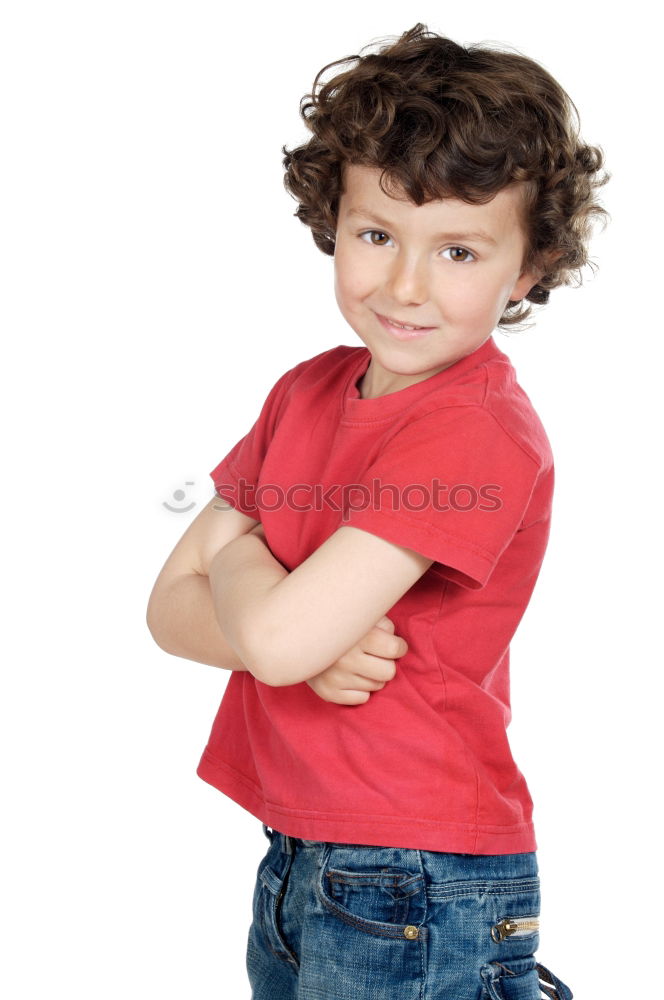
[277, 647]
[154, 615]
[271, 656]
[153, 628]
[270, 674]
[266, 675]
[265, 665]
[280, 666]
[150, 621]
[157, 619]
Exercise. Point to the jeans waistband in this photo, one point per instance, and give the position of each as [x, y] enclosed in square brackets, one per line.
[287, 843]
[439, 866]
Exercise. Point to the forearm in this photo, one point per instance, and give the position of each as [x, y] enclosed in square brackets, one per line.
[187, 625]
[242, 576]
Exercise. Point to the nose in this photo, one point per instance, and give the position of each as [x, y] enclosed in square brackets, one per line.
[408, 280]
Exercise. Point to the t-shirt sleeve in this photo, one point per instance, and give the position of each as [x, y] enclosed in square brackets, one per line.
[452, 485]
[235, 477]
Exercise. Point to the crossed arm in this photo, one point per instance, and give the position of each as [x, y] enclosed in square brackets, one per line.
[288, 627]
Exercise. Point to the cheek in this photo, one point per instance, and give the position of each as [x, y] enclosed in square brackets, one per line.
[477, 298]
[464, 307]
[351, 280]
[464, 298]
[343, 290]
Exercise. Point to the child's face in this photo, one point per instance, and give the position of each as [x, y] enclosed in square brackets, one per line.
[421, 265]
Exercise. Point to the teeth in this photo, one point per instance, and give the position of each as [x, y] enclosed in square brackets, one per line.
[402, 326]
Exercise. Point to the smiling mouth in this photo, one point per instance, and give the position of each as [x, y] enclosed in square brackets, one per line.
[403, 326]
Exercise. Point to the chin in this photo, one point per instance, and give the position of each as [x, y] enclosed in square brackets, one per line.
[405, 361]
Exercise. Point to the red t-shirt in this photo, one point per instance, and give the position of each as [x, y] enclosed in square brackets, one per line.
[459, 468]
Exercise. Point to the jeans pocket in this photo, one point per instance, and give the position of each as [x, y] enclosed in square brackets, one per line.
[513, 909]
[269, 891]
[370, 889]
[517, 980]
[521, 979]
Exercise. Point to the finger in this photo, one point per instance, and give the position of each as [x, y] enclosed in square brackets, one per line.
[342, 696]
[376, 668]
[380, 643]
[394, 646]
[352, 697]
[360, 683]
[385, 623]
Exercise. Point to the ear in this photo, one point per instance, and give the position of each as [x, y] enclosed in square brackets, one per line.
[528, 279]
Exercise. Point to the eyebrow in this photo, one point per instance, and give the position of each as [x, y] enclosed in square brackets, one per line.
[478, 234]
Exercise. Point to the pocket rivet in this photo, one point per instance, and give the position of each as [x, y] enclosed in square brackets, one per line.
[411, 932]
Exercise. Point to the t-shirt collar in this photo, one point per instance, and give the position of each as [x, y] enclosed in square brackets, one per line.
[356, 408]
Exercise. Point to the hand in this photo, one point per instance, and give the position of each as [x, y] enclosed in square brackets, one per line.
[366, 667]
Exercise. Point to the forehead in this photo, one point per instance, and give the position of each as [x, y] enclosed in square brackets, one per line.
[500, 216]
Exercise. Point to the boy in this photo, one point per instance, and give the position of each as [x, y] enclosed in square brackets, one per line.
[410, 476]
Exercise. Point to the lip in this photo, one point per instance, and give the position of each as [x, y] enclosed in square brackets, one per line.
[401, 334]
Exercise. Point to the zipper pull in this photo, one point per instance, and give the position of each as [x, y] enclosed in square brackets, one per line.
[515, 925]
[501, 930]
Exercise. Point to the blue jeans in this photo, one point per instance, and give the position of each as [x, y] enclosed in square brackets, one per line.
[352, 922]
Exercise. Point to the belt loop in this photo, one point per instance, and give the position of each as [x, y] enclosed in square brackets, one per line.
[553, 987]
[286, 842]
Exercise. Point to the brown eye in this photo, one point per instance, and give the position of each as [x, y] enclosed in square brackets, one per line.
[375, 232]
[460, 250]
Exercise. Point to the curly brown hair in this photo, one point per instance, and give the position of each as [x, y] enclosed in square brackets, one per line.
[443, 120]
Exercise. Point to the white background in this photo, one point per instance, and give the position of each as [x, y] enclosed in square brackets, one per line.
[155, 285]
